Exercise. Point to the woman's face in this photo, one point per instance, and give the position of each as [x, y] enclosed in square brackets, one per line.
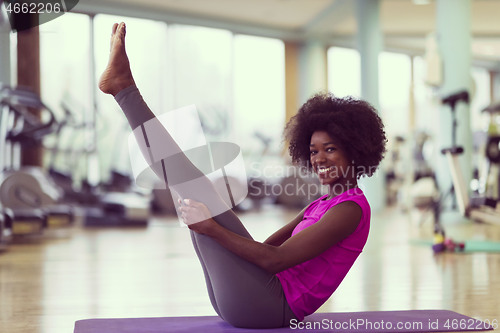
[330, 162]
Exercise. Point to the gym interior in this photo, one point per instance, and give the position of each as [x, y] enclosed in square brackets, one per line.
[81, 238]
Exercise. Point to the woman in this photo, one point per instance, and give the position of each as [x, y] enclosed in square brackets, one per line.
[291, 274]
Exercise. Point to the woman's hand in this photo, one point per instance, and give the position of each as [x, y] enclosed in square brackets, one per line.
[196, 216]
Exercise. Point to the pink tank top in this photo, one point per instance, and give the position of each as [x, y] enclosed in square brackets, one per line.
[308, 285]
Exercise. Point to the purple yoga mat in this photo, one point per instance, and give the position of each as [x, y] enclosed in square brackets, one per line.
[374, 321]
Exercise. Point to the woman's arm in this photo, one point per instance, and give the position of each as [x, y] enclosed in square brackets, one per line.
[337, 223]
[285, 232]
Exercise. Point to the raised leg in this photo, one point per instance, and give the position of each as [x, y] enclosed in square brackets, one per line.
[242, 293]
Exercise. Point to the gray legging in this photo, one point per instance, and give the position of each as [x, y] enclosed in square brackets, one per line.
[241, 293]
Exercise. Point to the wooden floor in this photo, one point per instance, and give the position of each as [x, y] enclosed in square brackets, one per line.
[48, 284]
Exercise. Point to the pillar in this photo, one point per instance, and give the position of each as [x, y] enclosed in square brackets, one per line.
[454, 41]
[313, 70]
[305, 74]
[28, 75]
[370, 44]
[291, 79]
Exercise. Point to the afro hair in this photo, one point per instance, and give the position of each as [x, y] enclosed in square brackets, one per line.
[353, 124]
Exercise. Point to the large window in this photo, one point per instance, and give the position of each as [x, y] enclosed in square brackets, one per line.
[201, 65]
[67, 85]
[344, 72]
[426, 103]
[481, 98]
[238, 92]
[344, 79]
[259, 96]
[146, 48]
[394, 92]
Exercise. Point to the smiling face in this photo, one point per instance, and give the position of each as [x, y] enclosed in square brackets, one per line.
[330, 163]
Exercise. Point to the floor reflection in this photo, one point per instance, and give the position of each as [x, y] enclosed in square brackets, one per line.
[46, 285]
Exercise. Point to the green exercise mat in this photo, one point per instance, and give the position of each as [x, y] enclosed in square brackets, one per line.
[471, 246]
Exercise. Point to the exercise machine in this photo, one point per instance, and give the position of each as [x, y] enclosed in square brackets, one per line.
[23, 223]
[27, 191]
[117, 201]
[489, 179]
[76, 191]
[96, 204]
[15, 222]
[5, 230]
[475, 208]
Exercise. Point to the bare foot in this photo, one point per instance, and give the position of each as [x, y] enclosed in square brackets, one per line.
[117, 75]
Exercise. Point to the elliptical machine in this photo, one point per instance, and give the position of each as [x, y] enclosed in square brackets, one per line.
[19, 221]
[27, 190]
[75, 192]
[99, 204]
